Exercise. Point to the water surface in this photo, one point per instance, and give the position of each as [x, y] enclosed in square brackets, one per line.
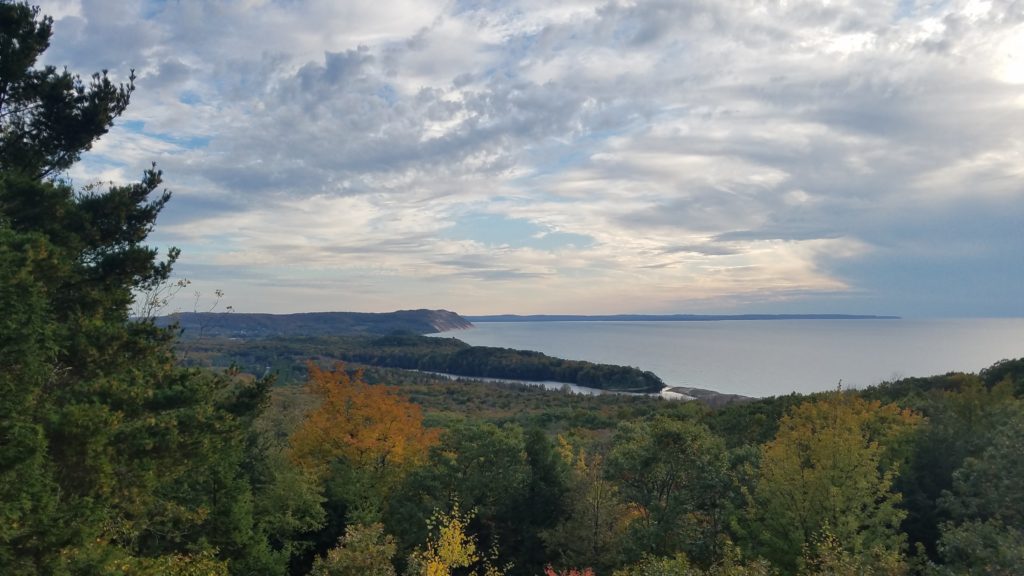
[769, 357]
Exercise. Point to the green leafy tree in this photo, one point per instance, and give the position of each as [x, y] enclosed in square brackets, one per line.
[364, 551]
[1009, 371]
[962, 421]
[543, 505]
[677, 565]
[730, 564]
[825, 555]
[676, 473]
[829, 470]
[482, 466]
[287, 504]
[981, 548]
[597, 518]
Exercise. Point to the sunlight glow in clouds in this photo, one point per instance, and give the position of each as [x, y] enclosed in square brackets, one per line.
[575, 157]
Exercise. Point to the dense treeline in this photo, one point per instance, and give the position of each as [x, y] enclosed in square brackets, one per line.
[836, 483]
[414, 352]
[116, 459]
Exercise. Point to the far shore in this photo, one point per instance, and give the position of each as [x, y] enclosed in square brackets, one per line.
[669, 317]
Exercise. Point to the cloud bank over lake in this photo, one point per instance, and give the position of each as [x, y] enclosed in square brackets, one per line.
[575, 157]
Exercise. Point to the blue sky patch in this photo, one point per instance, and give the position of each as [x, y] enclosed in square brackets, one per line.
[497, 230]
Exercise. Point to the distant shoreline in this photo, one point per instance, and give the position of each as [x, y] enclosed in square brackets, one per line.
[669, 317]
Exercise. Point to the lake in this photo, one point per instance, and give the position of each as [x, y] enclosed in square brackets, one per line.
[769, 357]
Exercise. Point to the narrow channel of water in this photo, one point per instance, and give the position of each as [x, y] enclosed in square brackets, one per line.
[563, 386]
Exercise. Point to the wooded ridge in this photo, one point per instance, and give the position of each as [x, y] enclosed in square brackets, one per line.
[246, 325]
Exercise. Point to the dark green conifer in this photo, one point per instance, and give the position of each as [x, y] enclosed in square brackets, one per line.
[112, 459]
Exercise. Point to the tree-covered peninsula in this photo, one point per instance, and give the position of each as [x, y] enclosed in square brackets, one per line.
[287, 355]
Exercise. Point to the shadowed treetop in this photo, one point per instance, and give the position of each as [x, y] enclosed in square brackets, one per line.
[48, 117]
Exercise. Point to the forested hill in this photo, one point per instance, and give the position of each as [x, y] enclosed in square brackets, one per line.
[669, 317]
[239, 325]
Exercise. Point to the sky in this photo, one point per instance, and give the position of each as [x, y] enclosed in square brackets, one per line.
[529, 156]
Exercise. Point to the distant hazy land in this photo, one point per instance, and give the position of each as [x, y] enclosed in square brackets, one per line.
[670, 317]
[245, 325]
[249, 325]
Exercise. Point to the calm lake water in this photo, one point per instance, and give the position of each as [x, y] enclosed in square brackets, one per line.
[766, 358]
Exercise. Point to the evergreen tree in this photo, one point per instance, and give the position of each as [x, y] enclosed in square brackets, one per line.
[112, 459]
[48, 117]
[986, 503]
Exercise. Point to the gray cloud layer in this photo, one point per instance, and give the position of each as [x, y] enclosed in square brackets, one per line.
[800, 156]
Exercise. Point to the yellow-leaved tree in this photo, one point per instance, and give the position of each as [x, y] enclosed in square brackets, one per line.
[450, 546]
[828, 474]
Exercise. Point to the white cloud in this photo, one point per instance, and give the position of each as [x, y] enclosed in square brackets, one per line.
[725, 151]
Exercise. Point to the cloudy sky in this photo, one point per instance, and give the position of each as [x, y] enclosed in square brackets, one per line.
[529, 156]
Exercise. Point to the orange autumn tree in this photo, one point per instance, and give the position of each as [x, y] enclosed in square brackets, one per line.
[365, 437]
